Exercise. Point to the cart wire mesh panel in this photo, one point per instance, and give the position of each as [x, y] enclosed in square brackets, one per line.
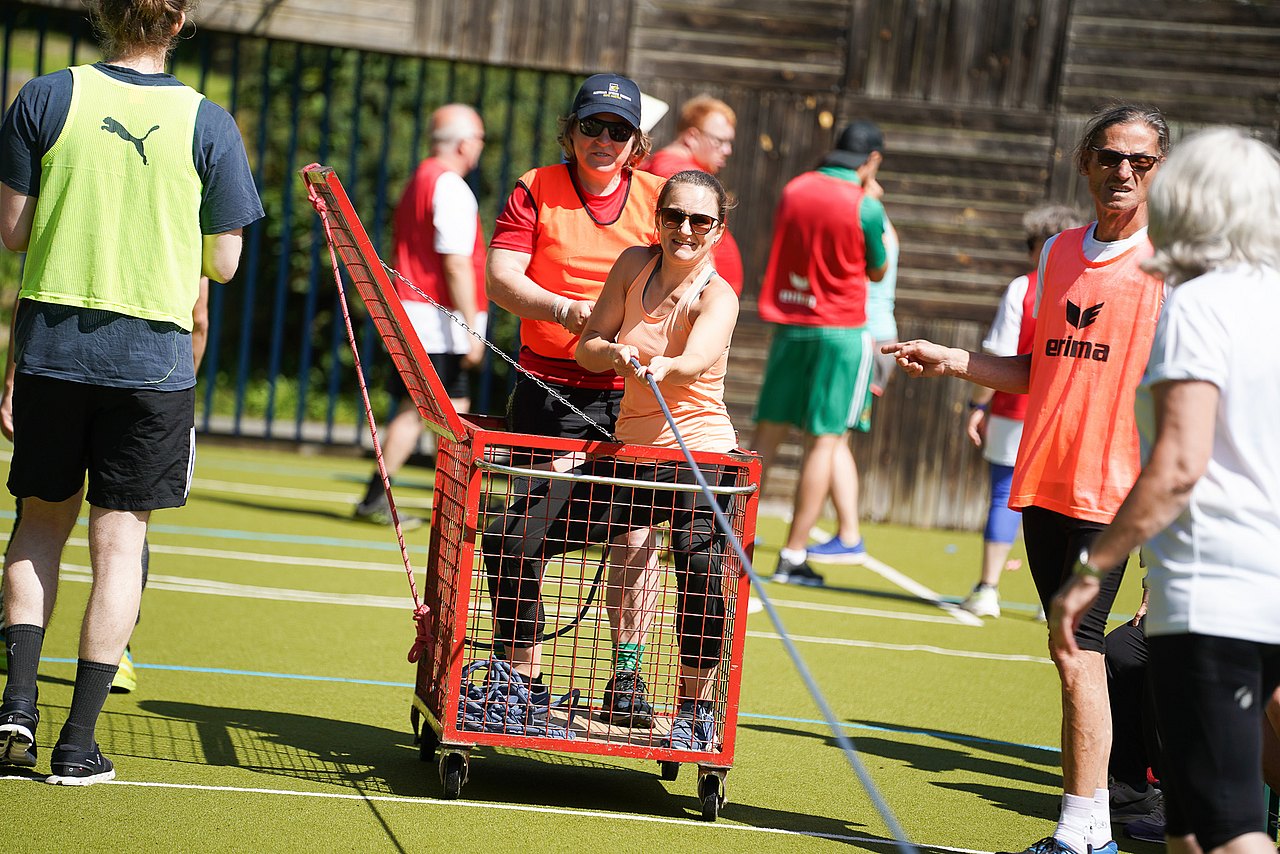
[533, 588]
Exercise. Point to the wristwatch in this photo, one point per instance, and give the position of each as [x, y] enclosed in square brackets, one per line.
[1085, 568]
[973, 405]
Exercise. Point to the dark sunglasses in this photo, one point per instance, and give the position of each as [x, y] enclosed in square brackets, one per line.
[618, 131]
[698, 223]
[1109, 159]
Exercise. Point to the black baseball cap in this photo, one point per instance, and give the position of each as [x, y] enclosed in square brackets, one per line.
[609, 93]
[855, 143]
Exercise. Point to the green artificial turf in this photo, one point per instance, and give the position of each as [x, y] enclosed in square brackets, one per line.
[291, 719]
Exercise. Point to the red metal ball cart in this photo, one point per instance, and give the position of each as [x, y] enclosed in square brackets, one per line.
[483, 478]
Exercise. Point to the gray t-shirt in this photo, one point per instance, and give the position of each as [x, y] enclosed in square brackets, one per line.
[102, 347]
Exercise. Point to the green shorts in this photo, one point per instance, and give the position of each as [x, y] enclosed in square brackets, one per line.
[818, 378]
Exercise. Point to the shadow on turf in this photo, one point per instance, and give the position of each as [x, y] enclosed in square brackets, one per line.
[378, 761]
[280, 508]
[941, 759]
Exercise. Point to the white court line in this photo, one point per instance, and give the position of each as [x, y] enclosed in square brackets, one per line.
[915, 588]
[908, 647]
[528, 808]
[237, 488]
[283, 594]
[859, 612]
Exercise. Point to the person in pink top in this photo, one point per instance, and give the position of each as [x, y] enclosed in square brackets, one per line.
[665, 307]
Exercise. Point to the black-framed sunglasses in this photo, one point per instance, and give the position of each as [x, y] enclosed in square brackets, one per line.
[698, 223]
[1109, 159]
[618, 131]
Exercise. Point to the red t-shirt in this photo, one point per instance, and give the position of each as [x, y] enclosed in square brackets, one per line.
[726, 255]
[1007, 404]
[817, 273]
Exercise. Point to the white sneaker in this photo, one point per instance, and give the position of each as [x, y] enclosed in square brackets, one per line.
[982, 602]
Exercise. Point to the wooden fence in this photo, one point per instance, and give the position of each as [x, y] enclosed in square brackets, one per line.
[981, 102]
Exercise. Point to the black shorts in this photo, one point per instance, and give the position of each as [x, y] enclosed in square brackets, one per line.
[1211, 693]
[137, 445]
[1053, 544]
[448, 366]
[532, 410]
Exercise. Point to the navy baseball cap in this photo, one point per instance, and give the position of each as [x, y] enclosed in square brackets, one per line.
[855, 143]
[609, 93]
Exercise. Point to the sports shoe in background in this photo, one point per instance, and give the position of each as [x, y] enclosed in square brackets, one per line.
[796, 573]
[836, 550]
[78, 766]
[624, 703]
[1129, 803]
[18, 723]
[379, 513]
[126, 678]
[982, 602]
[1149, 828]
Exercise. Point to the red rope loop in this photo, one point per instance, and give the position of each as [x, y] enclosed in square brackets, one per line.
[423, 641]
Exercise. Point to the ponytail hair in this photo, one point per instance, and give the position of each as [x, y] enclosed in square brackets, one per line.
[126, 27]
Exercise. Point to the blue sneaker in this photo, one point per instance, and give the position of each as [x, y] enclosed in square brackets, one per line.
[836, 550]
[694, 728]
[18, 723]
[1110, 848]
[1051, 845]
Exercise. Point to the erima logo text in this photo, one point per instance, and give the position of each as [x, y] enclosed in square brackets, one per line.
[1069, 347]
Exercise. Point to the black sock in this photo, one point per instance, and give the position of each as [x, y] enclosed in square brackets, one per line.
[22, 646]
[374, 492]
[93, 683]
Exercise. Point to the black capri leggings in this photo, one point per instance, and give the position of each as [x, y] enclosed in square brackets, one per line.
[558, 516]
[1211, 693]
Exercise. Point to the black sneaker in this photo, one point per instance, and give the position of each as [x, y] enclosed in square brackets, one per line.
[379, 513]
[18, 735]
[75, 766]
[1129, 803]
[796, 573]
[624, 702]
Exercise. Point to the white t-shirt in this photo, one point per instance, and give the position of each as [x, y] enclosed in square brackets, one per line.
[453, 208]
[1005, 434]
[1216, 569]
[1094, 250]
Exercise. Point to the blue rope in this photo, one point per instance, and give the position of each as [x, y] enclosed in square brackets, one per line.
[846, 744]
[504, 703]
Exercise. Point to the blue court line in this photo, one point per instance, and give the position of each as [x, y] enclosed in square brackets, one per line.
[179, 668]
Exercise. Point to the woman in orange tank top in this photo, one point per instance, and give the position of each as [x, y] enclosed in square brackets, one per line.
[665, 307]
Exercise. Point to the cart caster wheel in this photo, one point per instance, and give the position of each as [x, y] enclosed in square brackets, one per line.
[428, 741]
[711, 793]
[453, 773]
[669, 770]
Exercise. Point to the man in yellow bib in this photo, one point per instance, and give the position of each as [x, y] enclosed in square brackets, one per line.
[124, 187]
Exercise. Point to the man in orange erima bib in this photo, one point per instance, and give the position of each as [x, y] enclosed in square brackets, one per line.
[1095, 320]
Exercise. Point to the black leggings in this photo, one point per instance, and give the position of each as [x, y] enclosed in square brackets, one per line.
[1212, 694]
[1135, 743]
[1053, 543]
[558, 516]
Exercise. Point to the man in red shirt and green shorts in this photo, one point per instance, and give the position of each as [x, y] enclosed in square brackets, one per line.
[828, 242]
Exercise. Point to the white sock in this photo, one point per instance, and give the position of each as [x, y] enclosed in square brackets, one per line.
[1100, 834]
[793, 556]
[1074, 823]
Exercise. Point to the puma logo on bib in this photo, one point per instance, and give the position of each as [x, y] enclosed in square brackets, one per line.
[110, 124]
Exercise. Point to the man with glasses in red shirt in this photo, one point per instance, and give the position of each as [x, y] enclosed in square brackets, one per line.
[704, 140]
